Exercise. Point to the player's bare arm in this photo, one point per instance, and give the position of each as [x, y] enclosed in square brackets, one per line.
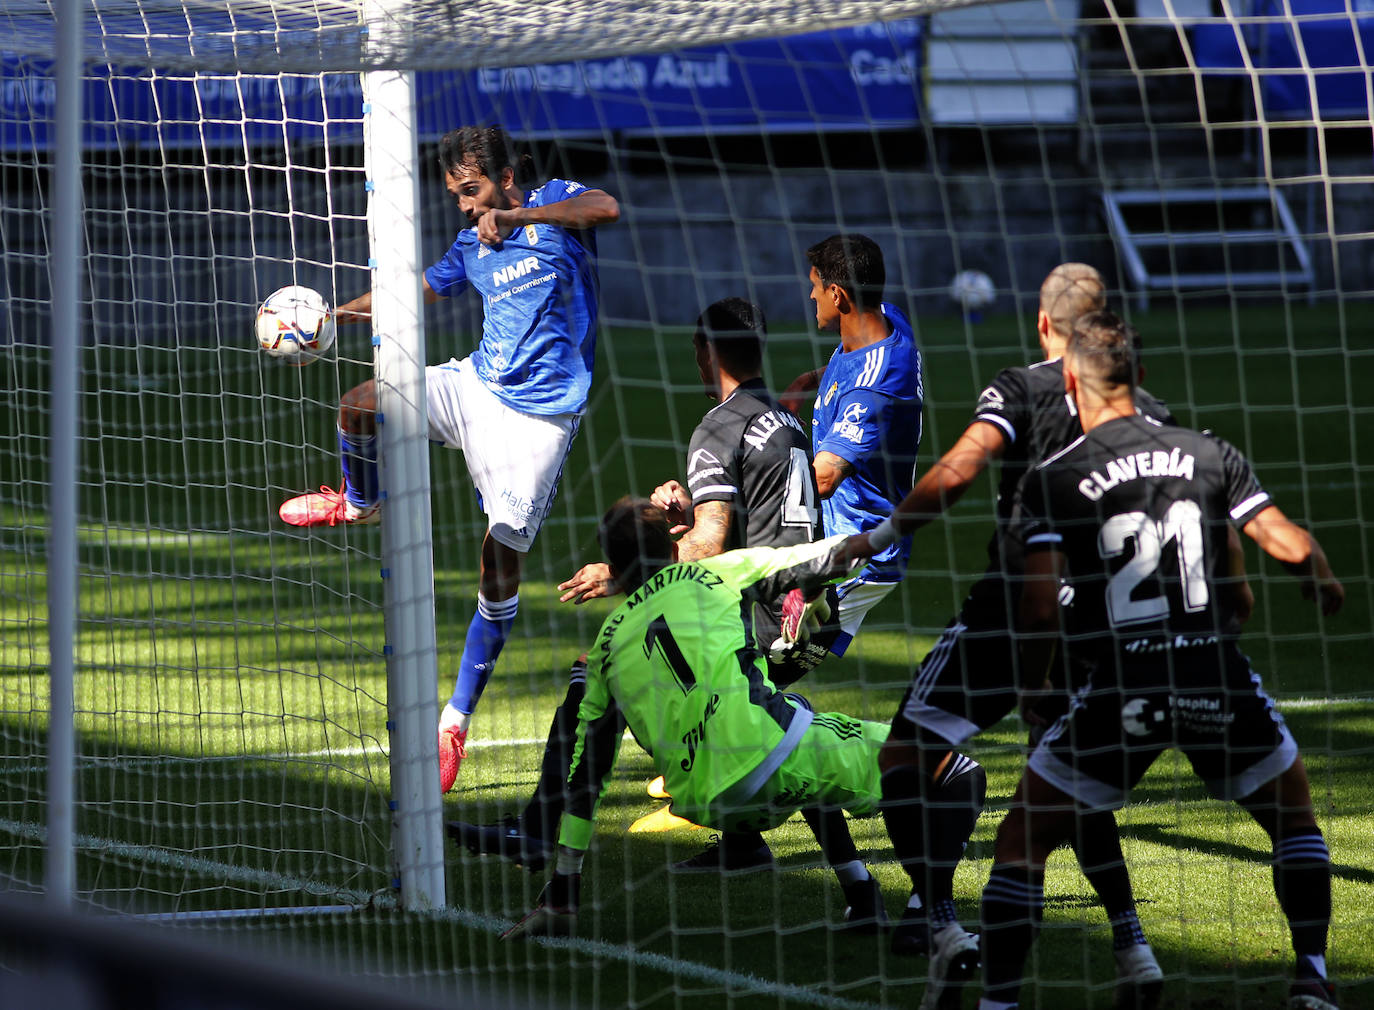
[588, 209]
[831, 471]
[799, 390]
[943, 484]
[1298, 551]
[707, 537]
[359, 310]
[676, 504]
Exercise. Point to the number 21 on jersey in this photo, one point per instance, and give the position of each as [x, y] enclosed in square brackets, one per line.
[1182, 524]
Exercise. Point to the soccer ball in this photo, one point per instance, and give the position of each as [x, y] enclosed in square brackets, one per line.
[972, 290]
[295, 324]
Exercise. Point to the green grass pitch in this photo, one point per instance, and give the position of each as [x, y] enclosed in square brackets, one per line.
[231, 694]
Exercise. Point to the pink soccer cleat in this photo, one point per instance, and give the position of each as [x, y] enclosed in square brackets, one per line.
[452, 750]
[326, 507]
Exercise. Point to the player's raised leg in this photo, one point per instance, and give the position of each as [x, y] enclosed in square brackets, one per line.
[357, 500]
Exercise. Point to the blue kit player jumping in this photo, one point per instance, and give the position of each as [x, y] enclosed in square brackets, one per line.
[866, 422]
[514, 404]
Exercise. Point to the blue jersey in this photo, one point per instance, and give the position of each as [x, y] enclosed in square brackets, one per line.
[539, 299]
[868, 412]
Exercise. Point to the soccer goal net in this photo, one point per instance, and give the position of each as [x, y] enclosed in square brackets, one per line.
[255, 704]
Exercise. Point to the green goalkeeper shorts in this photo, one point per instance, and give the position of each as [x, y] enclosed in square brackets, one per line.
[835, 764]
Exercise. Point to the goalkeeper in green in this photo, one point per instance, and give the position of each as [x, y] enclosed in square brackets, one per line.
[679, 663]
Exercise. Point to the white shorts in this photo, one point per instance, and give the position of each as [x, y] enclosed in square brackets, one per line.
[516, 459]
[857, 597]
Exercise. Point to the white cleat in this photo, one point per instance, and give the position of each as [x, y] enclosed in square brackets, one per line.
[953, 961]
[1139, 978]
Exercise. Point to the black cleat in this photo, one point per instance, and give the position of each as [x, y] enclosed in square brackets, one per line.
[724, 855]
[911, 935]
[509, 840]
[864, 911]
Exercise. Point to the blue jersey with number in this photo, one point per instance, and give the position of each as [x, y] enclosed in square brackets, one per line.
[868, 412]
[539, 299]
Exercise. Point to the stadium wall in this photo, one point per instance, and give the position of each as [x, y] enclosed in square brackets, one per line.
[173, 262]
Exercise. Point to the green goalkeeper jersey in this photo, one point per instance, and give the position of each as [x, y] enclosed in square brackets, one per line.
[678, 661]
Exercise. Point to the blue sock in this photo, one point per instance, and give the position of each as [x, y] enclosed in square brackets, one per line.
[362, 485]
[486, 636]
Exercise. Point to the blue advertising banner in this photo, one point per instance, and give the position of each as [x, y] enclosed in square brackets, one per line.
[856, 78]
[1328, 36]
[853, 78]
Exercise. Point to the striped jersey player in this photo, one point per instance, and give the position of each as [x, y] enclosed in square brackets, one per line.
[866, 420]
[513, 405]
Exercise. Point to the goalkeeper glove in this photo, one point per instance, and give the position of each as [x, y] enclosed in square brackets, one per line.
[800, 619]
[556, 912]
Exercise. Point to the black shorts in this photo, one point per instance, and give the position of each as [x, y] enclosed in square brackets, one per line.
[967, 682]
[1226, 726]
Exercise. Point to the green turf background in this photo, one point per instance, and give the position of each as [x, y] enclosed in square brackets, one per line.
[231, 693]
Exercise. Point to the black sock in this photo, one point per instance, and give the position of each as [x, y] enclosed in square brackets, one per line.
[901, 810]
[1302, 882]
[1097, 844]
[832, 832]
[1013, 905]
[952, 806]
[545, 807]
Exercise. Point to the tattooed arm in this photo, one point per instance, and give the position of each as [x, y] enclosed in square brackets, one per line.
[709, 532]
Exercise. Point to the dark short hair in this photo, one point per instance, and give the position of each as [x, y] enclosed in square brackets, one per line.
[855, 263]
[488, 148]
[1107, 346]
[737, 330]
[633, 535]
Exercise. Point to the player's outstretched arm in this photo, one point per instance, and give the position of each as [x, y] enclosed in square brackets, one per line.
[590, 582]
[1298, 551]
[359, 310]
[943, 484]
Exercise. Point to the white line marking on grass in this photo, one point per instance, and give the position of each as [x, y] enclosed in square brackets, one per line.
[127, 761]
[731, 981]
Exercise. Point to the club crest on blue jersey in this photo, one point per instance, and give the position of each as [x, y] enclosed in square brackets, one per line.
[531, 234]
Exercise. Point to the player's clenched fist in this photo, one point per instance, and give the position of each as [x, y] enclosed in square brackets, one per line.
[676, 504]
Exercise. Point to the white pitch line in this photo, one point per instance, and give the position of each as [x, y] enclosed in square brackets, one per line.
[729, 980]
